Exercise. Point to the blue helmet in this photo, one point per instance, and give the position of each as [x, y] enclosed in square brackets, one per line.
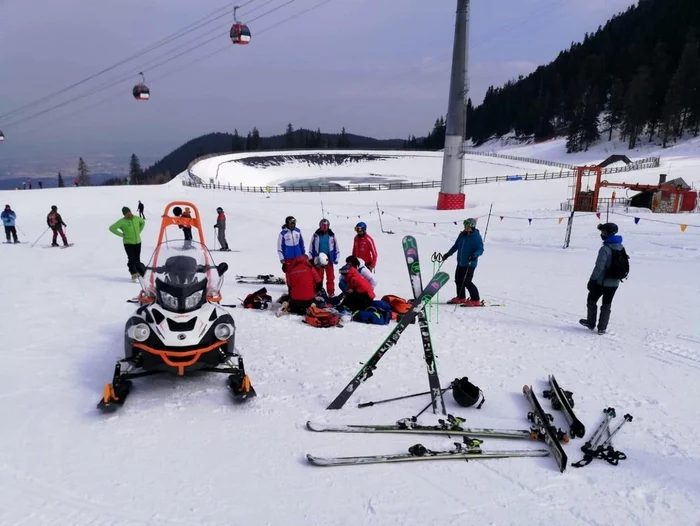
[361, 226]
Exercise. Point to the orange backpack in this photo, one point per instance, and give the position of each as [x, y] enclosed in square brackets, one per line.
[397, 304]
[317, 317]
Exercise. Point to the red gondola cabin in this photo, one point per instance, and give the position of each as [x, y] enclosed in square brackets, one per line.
[240, 34]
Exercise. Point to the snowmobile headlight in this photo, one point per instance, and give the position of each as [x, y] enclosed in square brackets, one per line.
[193, 299]
[223, 331]
[169, 301]
[139, 332]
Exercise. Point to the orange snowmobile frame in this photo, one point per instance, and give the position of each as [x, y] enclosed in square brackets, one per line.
[173, 220]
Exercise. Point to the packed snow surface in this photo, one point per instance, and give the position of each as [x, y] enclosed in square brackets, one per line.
[180, 452]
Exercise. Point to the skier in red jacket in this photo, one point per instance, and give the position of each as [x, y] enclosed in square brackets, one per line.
[359, 294]
[363, 247]
[303, 279]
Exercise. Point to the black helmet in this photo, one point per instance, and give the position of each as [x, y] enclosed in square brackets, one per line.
[219, 209]
[466, 393]
[608, 229]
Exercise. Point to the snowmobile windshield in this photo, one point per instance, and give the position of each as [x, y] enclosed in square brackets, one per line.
[181, 278]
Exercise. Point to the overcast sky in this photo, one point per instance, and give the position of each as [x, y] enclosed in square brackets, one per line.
[377, 67]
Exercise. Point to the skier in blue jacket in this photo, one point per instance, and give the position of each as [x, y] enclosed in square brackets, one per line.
[469, 246]
[8, 217]
[290, 243]
[601, 284]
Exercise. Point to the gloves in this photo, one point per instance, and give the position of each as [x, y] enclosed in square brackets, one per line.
[216, 226]
[472, 258]
[442, 257]
[591, 286]
[284, 267]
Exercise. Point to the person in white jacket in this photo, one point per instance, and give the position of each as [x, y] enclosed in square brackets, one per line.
[361, 267]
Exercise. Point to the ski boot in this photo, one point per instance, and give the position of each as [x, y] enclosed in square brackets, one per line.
[473, 303]
[457, 301]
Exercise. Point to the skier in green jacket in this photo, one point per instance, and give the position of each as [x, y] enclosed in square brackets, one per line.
[129, 229]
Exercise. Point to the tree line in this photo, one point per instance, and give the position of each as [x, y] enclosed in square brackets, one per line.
[638, 75]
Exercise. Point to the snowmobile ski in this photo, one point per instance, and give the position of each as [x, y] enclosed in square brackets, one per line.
[367, 369]
[411, 428]
[542, 422]
[469, 450]
[564, 401]
[410, 251]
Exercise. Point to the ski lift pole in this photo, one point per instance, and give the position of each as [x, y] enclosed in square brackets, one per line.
[487, 222]
[381, 225]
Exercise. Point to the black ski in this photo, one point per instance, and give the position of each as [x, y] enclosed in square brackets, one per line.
[550, 434]
[367, 369]
[564, 401]
[261, 279]
[410, 251]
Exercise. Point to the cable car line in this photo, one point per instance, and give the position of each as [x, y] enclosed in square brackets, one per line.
[201, 22]
[110, 84]
[195, 61]
[113, 83]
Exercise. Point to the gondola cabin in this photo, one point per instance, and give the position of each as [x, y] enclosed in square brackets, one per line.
[240, 34]
[2, 136]
[141, 92]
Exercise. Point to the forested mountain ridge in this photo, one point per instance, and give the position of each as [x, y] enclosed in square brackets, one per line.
[638, 74]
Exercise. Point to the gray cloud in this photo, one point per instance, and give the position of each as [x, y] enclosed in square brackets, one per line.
[379, 67]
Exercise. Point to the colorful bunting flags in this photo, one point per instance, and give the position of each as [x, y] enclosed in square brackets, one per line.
[636, 220]
[683, 227]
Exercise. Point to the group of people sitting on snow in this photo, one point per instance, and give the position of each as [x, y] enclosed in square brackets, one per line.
[305, 273]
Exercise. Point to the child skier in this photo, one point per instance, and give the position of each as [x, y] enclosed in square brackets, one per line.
[56, 224]
[469, 246]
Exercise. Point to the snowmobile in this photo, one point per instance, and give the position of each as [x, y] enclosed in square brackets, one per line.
[180, 326]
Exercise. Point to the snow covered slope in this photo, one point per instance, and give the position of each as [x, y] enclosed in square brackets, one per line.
[343, 167]
[180, 452]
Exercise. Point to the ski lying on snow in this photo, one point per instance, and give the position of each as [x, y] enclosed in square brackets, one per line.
[59, 246]
[419, 452]
[367, 369]
[550, 434]
[417, 429]
[484, 304]
[410, 251]
[564, 401]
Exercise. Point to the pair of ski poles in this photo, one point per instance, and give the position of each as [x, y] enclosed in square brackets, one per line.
[437, 260]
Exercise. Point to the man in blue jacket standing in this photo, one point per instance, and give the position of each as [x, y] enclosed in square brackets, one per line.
[290, 243]
[8, 220]
[323, 242]
[469, 246]
[610, 267]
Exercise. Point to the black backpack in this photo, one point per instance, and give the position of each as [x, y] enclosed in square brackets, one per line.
[259, 299]
[619, 265]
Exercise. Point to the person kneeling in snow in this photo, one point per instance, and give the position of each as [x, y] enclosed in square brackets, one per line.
[359, 294]
[359, 264]
[304, 280]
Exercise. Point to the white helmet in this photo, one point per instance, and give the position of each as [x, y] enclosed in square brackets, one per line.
[321, 260]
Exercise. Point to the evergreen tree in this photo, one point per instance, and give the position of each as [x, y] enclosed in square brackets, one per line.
[343, 140]
[289, 139]
[83, 173]
[637, 105]
[135, 172]
[614, 107]
[237, 144]
[61, 184]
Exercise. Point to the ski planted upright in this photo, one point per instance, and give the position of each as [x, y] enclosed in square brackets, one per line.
[543, 421]
[410, 251]
[367, 369]
[564, 401]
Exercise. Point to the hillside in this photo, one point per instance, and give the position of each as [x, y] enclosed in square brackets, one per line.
[178, 160]
[638, 74]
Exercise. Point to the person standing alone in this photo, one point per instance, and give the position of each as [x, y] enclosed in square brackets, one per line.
[611, 267]
[220, 227]
[323, 242]
[8, 220]
[469, 246]
[140, 209]
[129, 228]
[56, 224]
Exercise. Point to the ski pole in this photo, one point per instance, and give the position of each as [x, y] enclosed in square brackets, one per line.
[370, 404]
[627, 418]
[442, 392]
[42, 235]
